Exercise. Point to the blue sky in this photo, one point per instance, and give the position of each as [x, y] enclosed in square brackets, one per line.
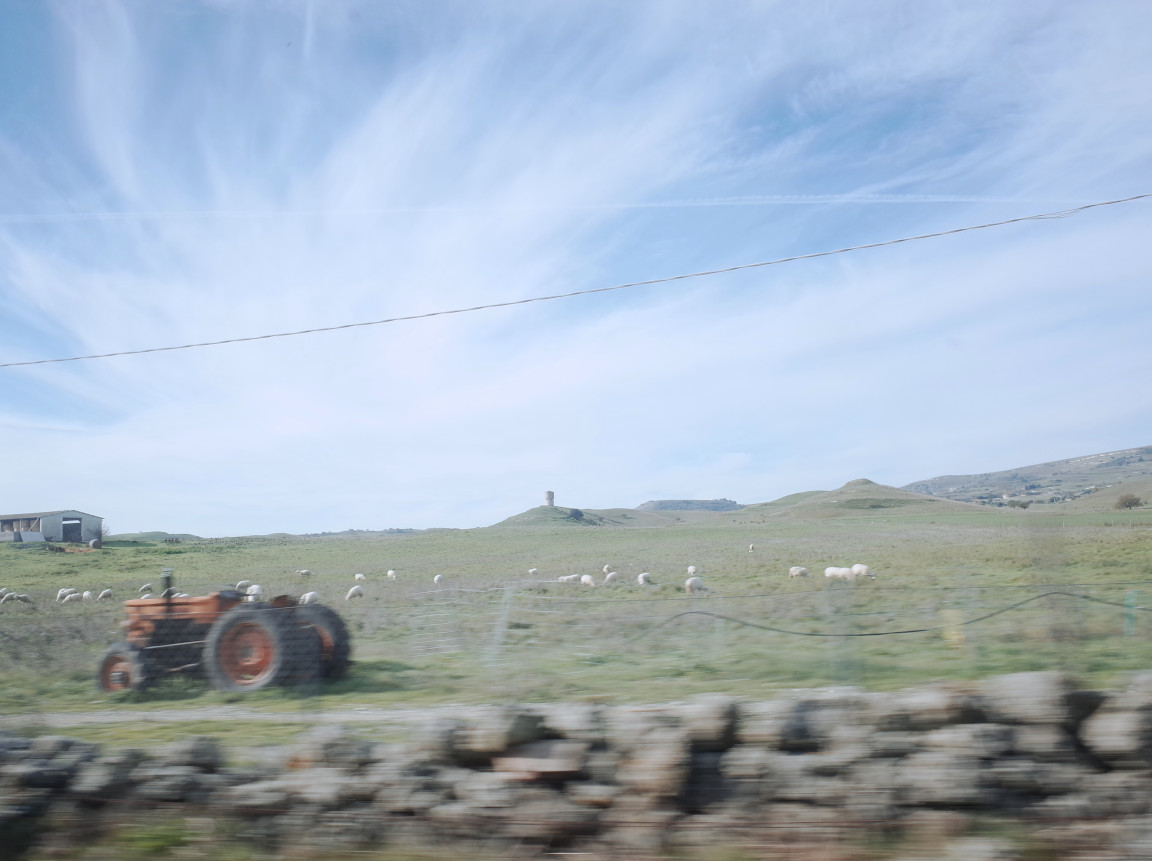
[178, 172]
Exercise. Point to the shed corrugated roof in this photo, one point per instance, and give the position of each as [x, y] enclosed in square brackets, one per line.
[43, 513]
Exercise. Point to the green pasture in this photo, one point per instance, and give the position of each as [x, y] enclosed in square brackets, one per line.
[494, 633]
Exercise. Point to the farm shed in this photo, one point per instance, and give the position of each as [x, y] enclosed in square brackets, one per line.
[75, 526]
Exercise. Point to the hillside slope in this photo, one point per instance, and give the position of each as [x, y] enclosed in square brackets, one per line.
[856, 497]
[1055, 481]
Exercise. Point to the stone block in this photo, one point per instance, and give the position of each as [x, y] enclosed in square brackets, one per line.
[659, 766]
[1123, 739]
[942, 778]
[1029, 698]
[201, 752]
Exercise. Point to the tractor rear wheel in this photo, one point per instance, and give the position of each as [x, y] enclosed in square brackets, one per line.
[250, 647]
[124, 667]
[335, 644]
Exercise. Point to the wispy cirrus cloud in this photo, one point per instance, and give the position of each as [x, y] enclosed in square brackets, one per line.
[225, 170]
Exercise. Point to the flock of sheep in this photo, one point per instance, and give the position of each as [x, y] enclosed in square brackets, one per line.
[250, 591]
[836, 573]
[692, 585]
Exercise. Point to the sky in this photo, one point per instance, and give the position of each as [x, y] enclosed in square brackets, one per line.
[174, 173]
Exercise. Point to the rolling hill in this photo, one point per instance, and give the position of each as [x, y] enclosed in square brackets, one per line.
[1055, 481]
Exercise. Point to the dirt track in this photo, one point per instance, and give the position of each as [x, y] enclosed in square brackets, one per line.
[379, 716]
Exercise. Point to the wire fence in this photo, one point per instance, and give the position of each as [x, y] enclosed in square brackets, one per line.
[548, 641]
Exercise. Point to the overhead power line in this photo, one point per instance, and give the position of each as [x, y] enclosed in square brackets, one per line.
[1064, 213]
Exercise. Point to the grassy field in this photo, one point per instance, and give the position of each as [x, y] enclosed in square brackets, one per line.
[493, 633]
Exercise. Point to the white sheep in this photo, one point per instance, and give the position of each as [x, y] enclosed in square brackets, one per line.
[147, 587]
[859, 570]
[88, 596]
[310, 598]
[253, 592]
[391, 574]
[694, 584]
[645, 579]
[751, 547]
[105, 595]
[611, 577]
[607, 568]
[354, 592]
[360, 577]
[798, 571]
[4, 590]
[241, 585]
[438, 579]
[170, 592]
[837, 573]
[532, 572]
[64, 593]
[568, 578]
[303, 572]
[72, 598]
[23, 598]
[8, 596]
[587, 580]
[691, 570]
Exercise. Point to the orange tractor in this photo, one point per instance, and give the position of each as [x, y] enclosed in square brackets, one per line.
[237, 645]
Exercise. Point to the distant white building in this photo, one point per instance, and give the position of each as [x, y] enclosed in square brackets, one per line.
[71, 526]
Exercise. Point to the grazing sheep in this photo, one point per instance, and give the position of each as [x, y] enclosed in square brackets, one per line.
[303, 572]
[797, 571]
[532, 572]
[360, 577]
[241, 585]
[645, 579]
[253, 593]
[4, 590]
[568, 578]
[147, 587]
[354, 592]
[694, 584]
[64, 593]
[310, 598]
[170, 592]
[607, 568]
[88, 596]
[587, 580]
[438, 579]
[691, 570]
[105, 595]
[859, 570]
[23, 598]
[839, 573]
[611, 577]
[72, 598]
[391, 574]
[751, 547]
[8, 596]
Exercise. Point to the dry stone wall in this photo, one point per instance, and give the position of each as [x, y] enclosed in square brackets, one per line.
[1071, 768]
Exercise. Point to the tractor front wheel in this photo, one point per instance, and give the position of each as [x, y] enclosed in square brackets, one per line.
[124, 668]
[248, 648]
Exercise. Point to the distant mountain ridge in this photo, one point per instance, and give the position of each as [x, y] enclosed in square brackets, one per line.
[690, 505]
[1054, 481]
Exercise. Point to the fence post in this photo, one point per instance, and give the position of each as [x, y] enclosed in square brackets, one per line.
[1130, 602]
[500, 630]
[841, 649]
